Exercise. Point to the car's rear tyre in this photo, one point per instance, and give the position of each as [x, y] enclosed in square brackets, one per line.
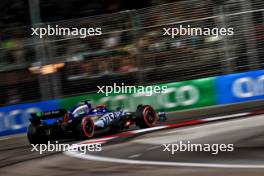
[84, 128]
[146, 116]
[36, 135]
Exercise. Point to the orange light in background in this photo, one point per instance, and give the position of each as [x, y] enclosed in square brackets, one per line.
[46, 69]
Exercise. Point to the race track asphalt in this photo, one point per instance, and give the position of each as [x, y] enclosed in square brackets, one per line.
[247, 159]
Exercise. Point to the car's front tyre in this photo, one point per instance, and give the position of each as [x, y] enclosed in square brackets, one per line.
[146, 116]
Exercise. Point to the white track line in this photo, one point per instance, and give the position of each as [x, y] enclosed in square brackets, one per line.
[148, 129]
[160, 163]
[152, 148]
[5, 138]
[98, 139]
[226, 117]
[135, 156]
[11, 136]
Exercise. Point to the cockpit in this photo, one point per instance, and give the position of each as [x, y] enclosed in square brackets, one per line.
[99, 110]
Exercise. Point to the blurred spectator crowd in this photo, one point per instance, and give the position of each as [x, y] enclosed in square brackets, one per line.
[131, 50]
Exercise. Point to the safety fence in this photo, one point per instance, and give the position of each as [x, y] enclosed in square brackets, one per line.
[131, 49]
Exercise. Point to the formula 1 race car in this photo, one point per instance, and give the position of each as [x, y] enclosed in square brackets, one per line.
[84, 120]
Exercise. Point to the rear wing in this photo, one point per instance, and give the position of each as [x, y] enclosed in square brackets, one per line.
[49, 114]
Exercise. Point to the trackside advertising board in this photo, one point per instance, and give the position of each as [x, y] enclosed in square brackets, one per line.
[178, 96]
[240, 87]
[15, 119]
[233, 88]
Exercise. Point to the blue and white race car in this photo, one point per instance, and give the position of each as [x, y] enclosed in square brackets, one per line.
[83, 121]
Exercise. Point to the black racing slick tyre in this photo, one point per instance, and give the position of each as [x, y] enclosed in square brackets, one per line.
[35, 135]
[146, 116]
[84, 128]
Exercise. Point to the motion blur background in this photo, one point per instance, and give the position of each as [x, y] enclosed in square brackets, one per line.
[131, 50]
[209, 79]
